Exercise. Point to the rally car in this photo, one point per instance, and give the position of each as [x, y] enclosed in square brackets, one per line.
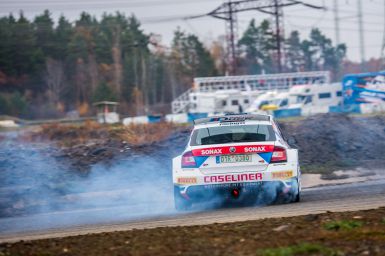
[236, 159]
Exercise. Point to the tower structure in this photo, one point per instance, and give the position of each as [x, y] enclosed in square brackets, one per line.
[228, 12]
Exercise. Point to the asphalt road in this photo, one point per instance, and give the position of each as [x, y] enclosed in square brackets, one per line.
[335, 198]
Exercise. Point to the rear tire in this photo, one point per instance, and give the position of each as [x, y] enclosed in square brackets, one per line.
[180, 203]
[296, 193]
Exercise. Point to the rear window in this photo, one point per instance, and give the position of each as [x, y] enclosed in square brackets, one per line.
[232, 134]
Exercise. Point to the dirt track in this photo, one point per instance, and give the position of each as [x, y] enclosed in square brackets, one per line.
[338, 198]
[348, 233]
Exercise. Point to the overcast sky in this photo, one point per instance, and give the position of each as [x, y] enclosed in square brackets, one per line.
[154, 15]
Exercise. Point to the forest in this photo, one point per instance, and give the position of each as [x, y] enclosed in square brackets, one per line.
[50, 69]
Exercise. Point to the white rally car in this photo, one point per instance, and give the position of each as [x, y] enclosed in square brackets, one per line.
[236, 159]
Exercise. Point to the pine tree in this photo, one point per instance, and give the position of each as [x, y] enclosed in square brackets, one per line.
[44, 32]
[189, 59]
[27, 57]
[256, 45]
[104, 93]
[4, 106]
[294, 54]
[62, 36]
[17, 104]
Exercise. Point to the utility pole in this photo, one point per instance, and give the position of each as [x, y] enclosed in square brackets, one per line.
[361, 34]
[232, 37]
[337, 30]
[278, 35]
[337, 22]
[383, 44]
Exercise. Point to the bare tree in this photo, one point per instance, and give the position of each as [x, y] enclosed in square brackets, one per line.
[81, 82]
[117, 58]
[93, 72]
[54, 77]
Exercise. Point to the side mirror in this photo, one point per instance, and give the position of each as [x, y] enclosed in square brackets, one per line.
[292, 142]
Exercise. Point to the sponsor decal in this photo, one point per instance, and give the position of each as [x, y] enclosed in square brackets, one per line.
[228, 178]
[255, 149]
[282, 175]
[211, 151]
[234, 185]
[187, 180]
[232, 119]
[231, 123]
[233, 150]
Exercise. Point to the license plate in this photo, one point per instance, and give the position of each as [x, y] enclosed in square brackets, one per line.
[233, 159]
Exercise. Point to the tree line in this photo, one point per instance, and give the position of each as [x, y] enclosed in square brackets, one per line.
[49, 68]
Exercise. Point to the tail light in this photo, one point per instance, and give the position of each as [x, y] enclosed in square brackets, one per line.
[279, 155]
[188, 160]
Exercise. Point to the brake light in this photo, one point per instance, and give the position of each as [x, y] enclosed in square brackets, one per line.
[279, 155]
[188, 160]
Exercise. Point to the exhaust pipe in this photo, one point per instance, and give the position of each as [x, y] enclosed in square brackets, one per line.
[235, 193]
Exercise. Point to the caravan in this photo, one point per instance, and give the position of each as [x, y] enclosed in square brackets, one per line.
[314, 99]
[310, 98]
[221, 101]
[268, 101]
[236, 93]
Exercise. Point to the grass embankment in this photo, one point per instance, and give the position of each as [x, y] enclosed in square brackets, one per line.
[348, 233]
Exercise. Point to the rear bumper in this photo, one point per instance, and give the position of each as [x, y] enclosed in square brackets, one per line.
[276, 172]
[247, 190]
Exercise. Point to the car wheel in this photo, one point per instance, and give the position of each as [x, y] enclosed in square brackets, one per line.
[180, 203]
[296, 194]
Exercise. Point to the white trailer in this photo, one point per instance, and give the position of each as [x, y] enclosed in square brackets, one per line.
[236, 93]
[311, 99]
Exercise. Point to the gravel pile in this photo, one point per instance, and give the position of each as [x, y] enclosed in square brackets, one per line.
[336, 140]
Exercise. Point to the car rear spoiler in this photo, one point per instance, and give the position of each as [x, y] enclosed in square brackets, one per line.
[232, 118]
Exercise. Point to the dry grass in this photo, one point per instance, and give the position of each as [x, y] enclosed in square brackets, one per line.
[134, 134]
[71, 134]
[141, 134]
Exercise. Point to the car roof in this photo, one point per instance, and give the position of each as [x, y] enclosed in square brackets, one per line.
[233, 118]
